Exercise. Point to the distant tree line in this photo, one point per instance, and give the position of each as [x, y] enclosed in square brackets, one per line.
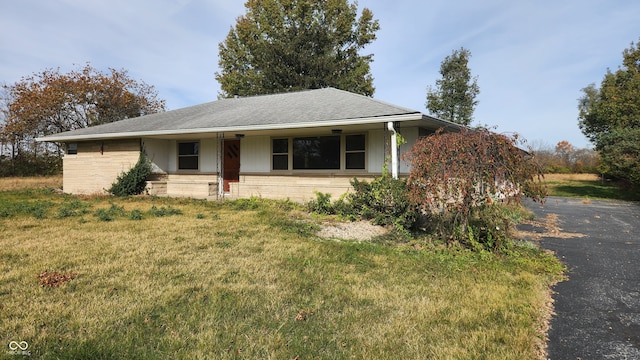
[564, 158]
[51, 102]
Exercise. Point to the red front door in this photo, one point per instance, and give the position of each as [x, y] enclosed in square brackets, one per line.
[231, 171]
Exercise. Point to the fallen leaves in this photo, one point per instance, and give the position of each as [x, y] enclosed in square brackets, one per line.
[54, 278]
[547, 227]
[303, 315]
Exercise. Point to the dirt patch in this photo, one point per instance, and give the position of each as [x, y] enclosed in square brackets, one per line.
[357, 230]
[547, 227]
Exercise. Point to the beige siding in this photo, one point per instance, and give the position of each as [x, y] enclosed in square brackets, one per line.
[375, 151]
[158, 152]
[255, 154]
[91, 171]
[208, 155]
[295, 188]
[410, 136]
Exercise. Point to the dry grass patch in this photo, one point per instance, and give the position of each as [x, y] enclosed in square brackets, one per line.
[247, 279]
[22, 183]
[572, 177]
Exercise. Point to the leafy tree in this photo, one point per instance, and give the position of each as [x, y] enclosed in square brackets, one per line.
[565, 151]
[620, 152]
[454, 97]
[610, 115]
[50, 102]
[458, 174]
[288, 45]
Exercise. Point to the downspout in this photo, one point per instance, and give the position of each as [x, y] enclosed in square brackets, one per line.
[394, 150]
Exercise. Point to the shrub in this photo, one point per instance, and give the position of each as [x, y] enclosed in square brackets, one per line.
[489, 229]
[457, 176]
[134, 181]
[385, 201]
[322, 204]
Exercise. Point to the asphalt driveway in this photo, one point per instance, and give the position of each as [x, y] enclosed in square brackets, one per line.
[598, 307]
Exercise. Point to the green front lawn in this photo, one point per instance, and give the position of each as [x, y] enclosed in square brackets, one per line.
[156, 278]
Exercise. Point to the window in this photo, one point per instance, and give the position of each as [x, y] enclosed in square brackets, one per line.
[280, 157]
[354, 151]
[316, 153]
[319, 153]
[72, 148]
[188, 155]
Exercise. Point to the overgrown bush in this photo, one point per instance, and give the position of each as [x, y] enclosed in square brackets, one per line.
[456, 177]
[384, 201]
[322, 204]
[490, 227]
[134, 181]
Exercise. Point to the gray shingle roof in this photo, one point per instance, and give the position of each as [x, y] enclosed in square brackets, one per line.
[321, 107]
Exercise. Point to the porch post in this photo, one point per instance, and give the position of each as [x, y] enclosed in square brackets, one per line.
[220, 160]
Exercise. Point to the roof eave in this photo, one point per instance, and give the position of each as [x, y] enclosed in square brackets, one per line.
[247, 128]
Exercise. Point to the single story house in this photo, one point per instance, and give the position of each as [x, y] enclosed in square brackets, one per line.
[286, 145]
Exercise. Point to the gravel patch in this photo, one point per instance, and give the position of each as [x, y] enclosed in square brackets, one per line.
[358, 230]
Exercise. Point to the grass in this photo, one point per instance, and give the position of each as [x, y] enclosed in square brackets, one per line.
[22, 183]
[171, 278]
[587, 186]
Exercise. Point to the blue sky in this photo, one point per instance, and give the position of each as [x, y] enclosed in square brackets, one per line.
[531, 57]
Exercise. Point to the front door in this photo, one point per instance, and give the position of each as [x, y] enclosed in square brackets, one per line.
[231, 170]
